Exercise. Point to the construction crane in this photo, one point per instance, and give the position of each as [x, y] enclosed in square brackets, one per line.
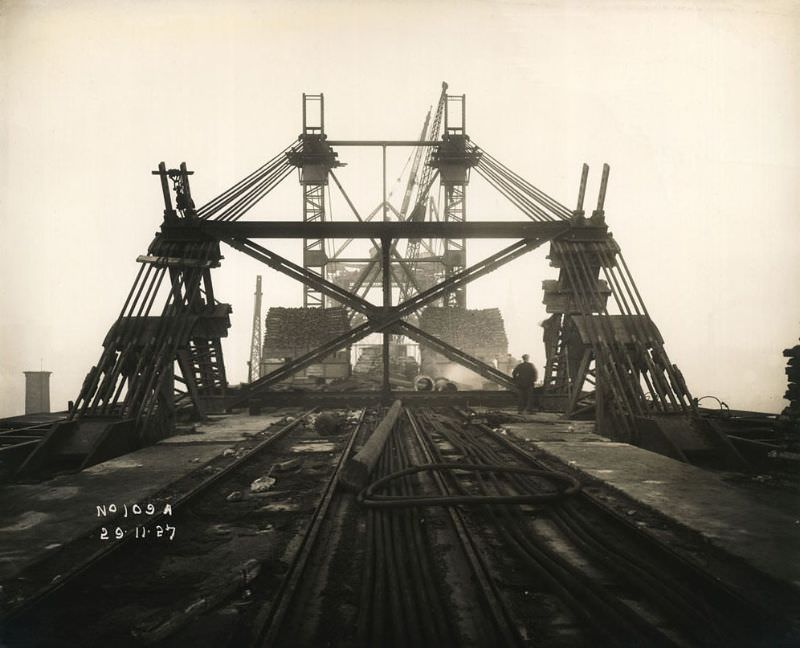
[412, 176]
[254, 364]
[427, 176]
[426, 181]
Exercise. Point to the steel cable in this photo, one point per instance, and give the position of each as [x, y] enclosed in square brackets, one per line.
[544, 198]
[567, 485]
[215, 204]
[531, 211]
[519, 189]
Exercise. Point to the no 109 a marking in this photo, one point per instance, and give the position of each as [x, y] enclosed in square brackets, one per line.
[140, 532]
[135, 509]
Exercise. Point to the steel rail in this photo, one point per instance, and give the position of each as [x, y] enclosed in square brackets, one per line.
[432, 609]
[680, 602]
[381, 574]
[687, 591]
[570, 585]
[268, 630]
[606, 552]
[498, 610]
[402, 616]
[584, 597]
[558, 571]
[112, 548]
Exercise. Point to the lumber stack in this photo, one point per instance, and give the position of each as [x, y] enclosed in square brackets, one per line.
[292, 331]
[471, 330]
[791, 414]
[480, 333]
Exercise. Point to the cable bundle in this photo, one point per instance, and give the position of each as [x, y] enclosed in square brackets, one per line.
[533, 202]
[233, 203]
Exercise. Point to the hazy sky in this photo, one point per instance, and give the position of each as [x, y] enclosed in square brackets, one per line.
[695, 105]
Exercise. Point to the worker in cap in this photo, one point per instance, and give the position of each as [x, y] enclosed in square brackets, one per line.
[524, 376]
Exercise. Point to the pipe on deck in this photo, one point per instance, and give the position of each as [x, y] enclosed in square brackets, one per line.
[359, 467]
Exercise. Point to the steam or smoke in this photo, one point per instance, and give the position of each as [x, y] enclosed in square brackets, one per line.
[461, 376]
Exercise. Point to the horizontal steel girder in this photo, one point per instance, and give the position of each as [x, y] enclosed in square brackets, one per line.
[205, 230]
[383, 143]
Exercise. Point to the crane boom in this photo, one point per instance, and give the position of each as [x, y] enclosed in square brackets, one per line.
[412, 178]
[426, 180]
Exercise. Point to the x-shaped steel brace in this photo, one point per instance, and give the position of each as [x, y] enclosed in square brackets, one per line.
[383, 319]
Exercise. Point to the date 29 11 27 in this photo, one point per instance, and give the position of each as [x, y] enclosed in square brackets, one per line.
[139, 532]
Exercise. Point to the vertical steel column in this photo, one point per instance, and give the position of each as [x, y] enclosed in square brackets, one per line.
[454, 176]
[385, 206]
[313, 249]
[455, 249]
[386, 247]
[170, 216]
[579, 213]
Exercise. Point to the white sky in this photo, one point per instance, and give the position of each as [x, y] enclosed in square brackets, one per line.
[695, 105]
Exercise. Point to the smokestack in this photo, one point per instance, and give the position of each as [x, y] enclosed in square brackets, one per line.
[37, 392]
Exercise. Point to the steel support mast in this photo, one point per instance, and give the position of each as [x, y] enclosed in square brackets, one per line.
[314, 159]
[254, 365]
[453, 159]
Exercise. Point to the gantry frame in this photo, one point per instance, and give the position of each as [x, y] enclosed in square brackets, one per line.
[385, 318]
[188, 247]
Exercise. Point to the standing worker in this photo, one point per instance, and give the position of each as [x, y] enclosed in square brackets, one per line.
[524, 376]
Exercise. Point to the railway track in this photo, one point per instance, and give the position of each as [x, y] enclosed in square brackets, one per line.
[443, 557]
[143, 588]
[615, 586]
[462, 538]
[390, 579]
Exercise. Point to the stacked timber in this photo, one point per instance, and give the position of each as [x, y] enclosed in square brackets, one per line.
[467, 329]
[293, 332]
[290, 331]
[791, 414]
[480, 333]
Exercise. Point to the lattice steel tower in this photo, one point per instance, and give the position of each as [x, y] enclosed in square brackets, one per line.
[254, 365]
[314, 159]
[454, 158]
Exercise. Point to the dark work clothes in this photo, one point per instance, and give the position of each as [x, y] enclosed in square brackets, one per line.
[525, 399]
[524, 376]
